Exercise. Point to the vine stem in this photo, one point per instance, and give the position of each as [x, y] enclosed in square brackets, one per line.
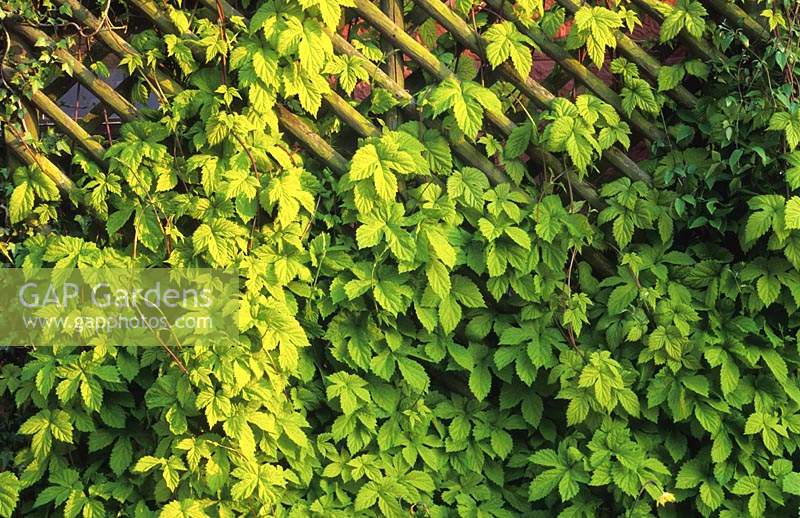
[19, 137]
[77, 110]
[221, 21]
[636, 502]
[108, 126]
[101, 23]
[6, 50]
[258, 179]
[150, 200]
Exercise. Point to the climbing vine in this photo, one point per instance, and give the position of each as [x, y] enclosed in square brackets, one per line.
[484, 308]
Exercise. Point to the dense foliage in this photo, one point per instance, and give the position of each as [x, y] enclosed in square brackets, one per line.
[418, 339]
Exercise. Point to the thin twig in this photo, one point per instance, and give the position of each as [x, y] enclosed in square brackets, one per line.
[149, 198]
[78, 87]
[80, 30]
[221, 20]
[174, 356]
[258, 179]
[32, 151]
[6, 50]
[101, 23]
[108, 126]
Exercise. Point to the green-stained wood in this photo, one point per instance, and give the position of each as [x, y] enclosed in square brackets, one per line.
[527, 85]
[402, 40]
[65, 123]
[302, 132]
[351, 116]
[394, 60]
[638, 55]
[118, 45]
[86, 77]
[61, 84]
[741, 19]
[35, 159]
[156, 15]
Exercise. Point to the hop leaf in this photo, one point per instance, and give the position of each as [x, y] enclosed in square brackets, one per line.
[686, 14]
[596, 25]
[505, 42]
[9, 493]
[468, 100]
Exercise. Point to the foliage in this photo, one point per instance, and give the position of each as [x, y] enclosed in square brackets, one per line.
[417, 337]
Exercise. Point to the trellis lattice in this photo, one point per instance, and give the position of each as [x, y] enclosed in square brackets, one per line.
[93, 131]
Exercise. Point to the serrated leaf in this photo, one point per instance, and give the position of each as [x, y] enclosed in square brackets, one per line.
[480, 382]
[792, 213]
[9, 493]
[768, 288]
[791, 483]
[505, 42]
[596, 25]
[449, 313]
[469, 184]
[439, 278]
[621, 297]
[518, 141]
[670, 76]
[20, 203]
[121, 456]
[414, 374]
[544, 484]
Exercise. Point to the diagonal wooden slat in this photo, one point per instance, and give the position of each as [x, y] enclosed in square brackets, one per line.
[316, 144]
[36, 159]
[62, 83]
[87, 78]
[64, 122]
[741, 19]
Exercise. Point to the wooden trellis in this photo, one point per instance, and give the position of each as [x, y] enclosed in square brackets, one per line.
[92, 133]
